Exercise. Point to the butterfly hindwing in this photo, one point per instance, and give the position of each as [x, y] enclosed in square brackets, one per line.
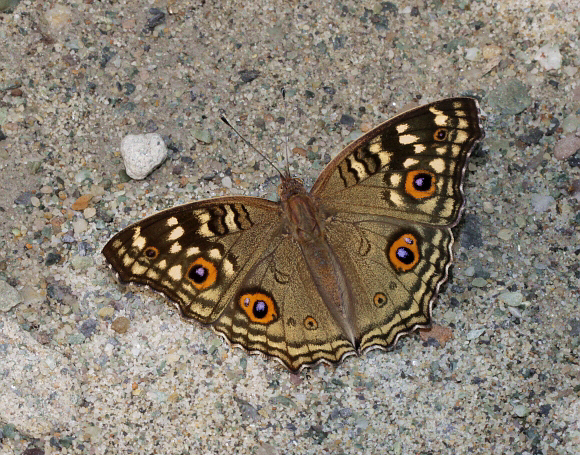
[392, 294]
[279, 311]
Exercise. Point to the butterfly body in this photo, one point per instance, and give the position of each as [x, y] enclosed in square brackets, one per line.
[349, 266]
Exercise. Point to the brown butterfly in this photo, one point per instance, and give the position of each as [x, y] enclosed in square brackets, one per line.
[349, 266]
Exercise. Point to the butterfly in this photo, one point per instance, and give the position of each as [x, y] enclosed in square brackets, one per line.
[349, 266]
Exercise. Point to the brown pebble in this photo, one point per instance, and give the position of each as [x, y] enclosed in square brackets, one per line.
[16, 92]
[566, 147]
[82, 202]
[120, 325]
[299, 151]
[440, 333]
[365, 127]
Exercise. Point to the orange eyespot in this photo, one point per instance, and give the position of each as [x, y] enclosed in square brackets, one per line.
[202, 274]
[310, 323]
[440, 134]
[420, 184]
[380, 299]
[151, 252]
[404, 252]
[259, 307]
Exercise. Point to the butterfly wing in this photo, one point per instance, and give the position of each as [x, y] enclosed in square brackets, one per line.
[229, 262]
[389, 199]
[279, 311]
[409, 168]
[196, 254]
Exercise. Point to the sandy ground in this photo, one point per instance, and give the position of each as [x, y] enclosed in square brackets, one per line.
[89, 366]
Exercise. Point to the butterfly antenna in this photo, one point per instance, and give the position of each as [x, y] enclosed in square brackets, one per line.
[225, 120]
[286, 131]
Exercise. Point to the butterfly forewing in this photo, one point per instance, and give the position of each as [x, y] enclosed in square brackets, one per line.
[197, 253]
[409, 168]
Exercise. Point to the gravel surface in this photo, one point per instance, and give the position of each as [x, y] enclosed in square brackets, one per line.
[88, 366]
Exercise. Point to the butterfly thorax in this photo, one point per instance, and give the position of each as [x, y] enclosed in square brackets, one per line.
[302, 215]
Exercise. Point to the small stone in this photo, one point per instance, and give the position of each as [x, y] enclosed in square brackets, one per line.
[571, 123]
[106, 312]
[542, 203]
[88, 327]
[365, 127]
[479, 282]
[299, 151]
[82, 202]
[120, 325]
[9, 297]
[30, 295]
[81, 262]
[474, 334]
[52, 258]
[566, 147]
[142, 153]
[83, 175]
[202, 136]
[58, 17]
[549, 57]
[488, 207]
[472, 53]
[505, 234]
[80, 226]
[347, 120]
[510, 97]
[515, 312]
[89, 212]
[512, 298]
[35, 201]
[24, 198]
[521, 411]
[227, 182]
[248, 75]
[469, 271]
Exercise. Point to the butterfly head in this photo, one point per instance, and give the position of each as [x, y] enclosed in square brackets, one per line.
[290, 187]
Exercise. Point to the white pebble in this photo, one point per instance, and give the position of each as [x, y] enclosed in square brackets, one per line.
[142, 153]
[227, 182]
[549, 57]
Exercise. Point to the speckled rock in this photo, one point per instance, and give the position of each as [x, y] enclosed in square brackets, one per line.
[142, 153]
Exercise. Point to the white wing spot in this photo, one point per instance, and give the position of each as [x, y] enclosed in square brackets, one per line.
[172, 222]
[138, 269]
[410, 162]
[441, 120]
[402, 128]
[139, 242]
[175, 234]
[175, 248]
[419, 148]
[357, 166]
[202, 216]
[396, 199]
[461, 137]
[228, 267]
[438, 165]
[214, 253]
[192, 251]
[396, 179]
[407, 139]
[175, 273]
[162, 264]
